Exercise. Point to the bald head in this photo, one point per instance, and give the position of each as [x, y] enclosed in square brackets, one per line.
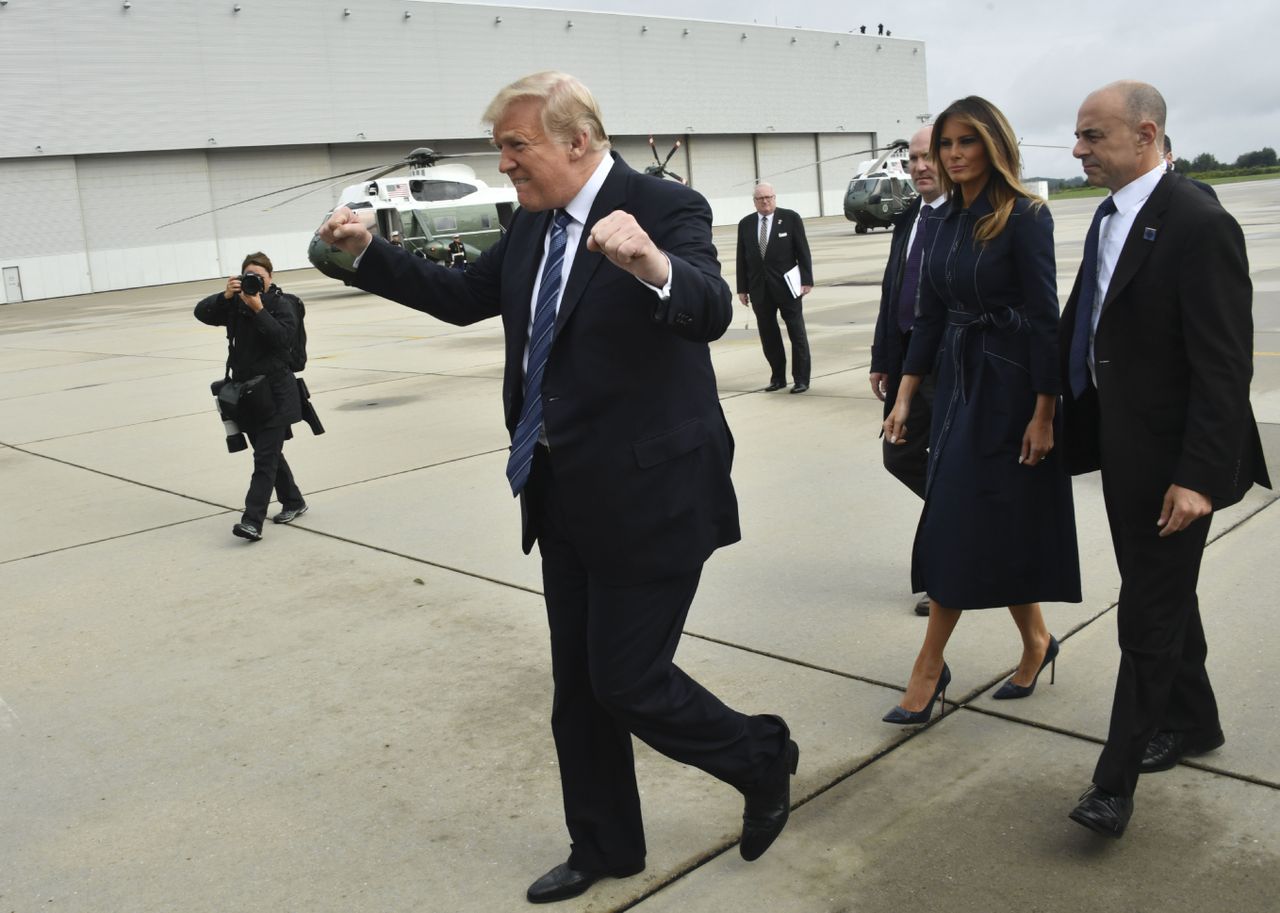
[1118, 133]
[765, 199]
[921, 166]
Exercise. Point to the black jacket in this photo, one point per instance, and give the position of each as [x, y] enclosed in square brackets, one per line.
[887, 353]
[639, 445]
[761, 277]
[1174, 356]
[259, 344]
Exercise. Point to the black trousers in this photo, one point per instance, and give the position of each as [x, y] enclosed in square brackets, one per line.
[771, 338]
[909, 462]
[611, 659]
[270, 470]
[1162, 683]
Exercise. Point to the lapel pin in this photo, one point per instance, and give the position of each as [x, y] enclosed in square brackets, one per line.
[1148, 234]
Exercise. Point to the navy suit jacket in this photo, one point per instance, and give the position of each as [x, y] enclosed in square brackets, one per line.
[1174, 357]
[639, 445]
[887, 353]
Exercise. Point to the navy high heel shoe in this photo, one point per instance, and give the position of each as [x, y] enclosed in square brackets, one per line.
[1009, 691]
[904, 717]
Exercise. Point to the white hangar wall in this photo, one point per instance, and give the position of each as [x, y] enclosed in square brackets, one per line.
[116, 121]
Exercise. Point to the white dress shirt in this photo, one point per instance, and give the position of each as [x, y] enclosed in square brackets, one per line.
[1112, 234]
[927, 211]
[768, 225]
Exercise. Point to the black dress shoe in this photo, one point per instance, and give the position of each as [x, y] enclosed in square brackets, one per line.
[922, 607]
[1166, 749]
[289, 514]
[766, 810]
[247, 531]
[1103, 812]
[799, 388]
[774, 385]
[562, 882]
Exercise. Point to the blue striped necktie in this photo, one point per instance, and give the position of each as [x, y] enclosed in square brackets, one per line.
[1078, 371]
[540, 338]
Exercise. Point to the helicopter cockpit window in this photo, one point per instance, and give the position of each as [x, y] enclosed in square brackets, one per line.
[863, 186]
[435, 191]
[444, 223]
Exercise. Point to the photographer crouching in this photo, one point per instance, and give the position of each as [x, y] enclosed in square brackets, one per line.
[260, 396]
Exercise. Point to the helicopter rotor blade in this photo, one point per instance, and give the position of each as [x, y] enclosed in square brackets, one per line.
[389, 168]
[463, 155]
[382, 172]
[671, 153]
[843, 155]
[654, 150]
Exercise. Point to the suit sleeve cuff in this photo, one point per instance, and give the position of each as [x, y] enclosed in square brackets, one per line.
[663, 293]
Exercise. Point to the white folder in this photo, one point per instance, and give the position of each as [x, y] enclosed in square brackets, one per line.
[793, 281]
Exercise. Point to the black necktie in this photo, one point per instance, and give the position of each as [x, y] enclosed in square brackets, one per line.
[1079, 371]
[540, 339]
[911, 274]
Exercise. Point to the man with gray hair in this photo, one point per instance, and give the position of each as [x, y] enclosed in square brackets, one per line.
[771, 244]
[609, 291]
[1157, 396]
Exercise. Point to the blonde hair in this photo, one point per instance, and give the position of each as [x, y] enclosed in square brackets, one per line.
[1004, 186]
[568, 107]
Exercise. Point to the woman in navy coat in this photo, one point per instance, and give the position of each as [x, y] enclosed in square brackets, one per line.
[998, 527]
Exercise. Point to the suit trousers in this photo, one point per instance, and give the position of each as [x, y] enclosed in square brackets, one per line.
[612, 648]
[270, 470]
[909, 462]
[1162, 683]
[771, 337]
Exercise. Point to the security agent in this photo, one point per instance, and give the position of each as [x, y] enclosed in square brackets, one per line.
[261, 321]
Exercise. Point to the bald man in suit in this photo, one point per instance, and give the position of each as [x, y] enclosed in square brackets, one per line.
[1157, 396]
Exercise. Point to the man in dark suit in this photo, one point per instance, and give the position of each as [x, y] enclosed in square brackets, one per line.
[770, 244]
[899, 301]
[1157, 377]
[1169, 164]
[609, 290]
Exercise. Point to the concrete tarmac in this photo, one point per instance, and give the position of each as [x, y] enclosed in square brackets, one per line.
[352, 715]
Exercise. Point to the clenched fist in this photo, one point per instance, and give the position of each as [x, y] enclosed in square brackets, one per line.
[345, 231]
[620, 238]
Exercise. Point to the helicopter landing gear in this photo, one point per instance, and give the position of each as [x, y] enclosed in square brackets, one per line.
[860, 229]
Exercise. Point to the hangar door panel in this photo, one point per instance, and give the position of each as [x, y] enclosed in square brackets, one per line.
[42, 242]
[125, 198]
[723, 170]
[841, 153]
[281, 230]
[795, 155]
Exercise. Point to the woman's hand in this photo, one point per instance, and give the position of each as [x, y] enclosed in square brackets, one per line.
[895, 425]
[1037, 440]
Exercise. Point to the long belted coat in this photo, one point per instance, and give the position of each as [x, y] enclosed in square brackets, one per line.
[993, 532]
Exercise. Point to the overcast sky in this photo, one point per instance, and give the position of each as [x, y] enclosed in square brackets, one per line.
[1219, 71]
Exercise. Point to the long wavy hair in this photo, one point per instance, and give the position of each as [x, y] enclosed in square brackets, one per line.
[1004, 185]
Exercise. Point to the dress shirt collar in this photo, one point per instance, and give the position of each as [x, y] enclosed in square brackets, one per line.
[580, 206]
[1135, 193]
[938, 202]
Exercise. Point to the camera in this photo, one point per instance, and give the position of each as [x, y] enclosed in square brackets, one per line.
[235, 437]
[251, 284]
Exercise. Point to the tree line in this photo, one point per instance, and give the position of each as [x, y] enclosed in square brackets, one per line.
[1204, 164]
